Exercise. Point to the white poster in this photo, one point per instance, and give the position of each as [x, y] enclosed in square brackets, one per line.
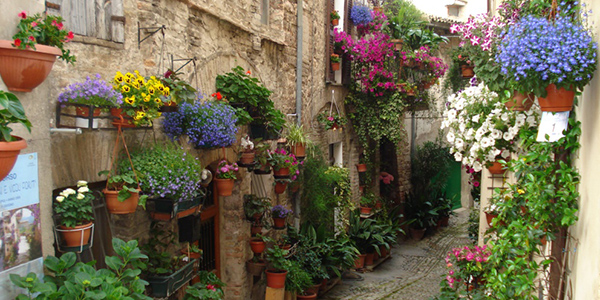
[20, 228]
[553, 125]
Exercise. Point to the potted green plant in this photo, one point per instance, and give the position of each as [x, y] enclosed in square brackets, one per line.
[11, 112]
[367, 202]
[210, 287]
[142, 99]
[172, 179]
[251, 100]
[75, 212]
[262, 166]
[282, 162]
[466, 268]
[298, 281]
[90, 95]
[65, 278]
[122, 193]
[363, 234]
[26, 61]
[297, 140]
[335, 18]
[279, 213]
[279, 266]
[531, 59]
[255, 208]
[258, 244]
[331, 120]
[335, 62]
[225, 177]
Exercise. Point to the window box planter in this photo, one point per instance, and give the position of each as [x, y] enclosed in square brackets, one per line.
[165, 209]
[164, 286]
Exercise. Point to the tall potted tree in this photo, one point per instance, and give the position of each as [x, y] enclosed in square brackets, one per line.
[10, 146]
[26, 61]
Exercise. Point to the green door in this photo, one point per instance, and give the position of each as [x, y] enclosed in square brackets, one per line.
[453, 184]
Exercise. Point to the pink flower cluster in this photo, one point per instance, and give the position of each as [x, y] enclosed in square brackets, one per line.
[379, 19]
[468, 262]
[226, 171]
[480, 30]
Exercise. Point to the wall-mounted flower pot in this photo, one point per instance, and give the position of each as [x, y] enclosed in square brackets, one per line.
[361, 168]
[257, 245]
[335, 22]
[365, 210]
[466, 71]
[276, 278]
[255, 229]
[496, 168]
[397, 44]
[335, 66]
[256, 268]
[224, 186]
[22, 70]
[557, 99]
[299, 150]
[117, 207]
[280, 187]
[281, 173]
[9, 151]
[165, 209]
[279, 223]
[520, 102]
[247, 158]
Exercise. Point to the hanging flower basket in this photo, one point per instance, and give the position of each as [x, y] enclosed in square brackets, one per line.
[24, 70]
[9, 151]
[466, 71]
[557, 99]
[117, 207]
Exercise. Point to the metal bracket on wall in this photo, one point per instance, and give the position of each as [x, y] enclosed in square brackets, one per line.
[186, 60]
[152, 30]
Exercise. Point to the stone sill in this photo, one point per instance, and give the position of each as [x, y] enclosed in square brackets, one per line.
[98, 42]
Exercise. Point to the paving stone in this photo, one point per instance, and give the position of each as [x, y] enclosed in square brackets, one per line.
[414, 271]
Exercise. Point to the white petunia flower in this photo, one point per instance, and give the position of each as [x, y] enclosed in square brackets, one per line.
[81, 183]
[60, 199]
[80, 196]
[83, 189]
[458, 156]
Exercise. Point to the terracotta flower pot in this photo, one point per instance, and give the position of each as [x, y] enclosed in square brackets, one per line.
[369, 259]
[384, 251]
[276, 279]
[256, 229]
[444, 220]
[257, 245]
[116, 207]
[83, 111]
[365, 210]
[520, 102]
[361, 168]
[466, 71]
[314, 289]
[397, 44]
[557, 99]
[299, 150]
[489, 217]
[496, 168]
[23, 70]
[307, 296]
[279, 223]
[121, 118]
[224, 186]
[417, 234]
[281, 172]
[359, 263]
[9, 151]
[280, 187]
[335, 66]
[74, 238]
[256, 268]
[247, 158]
[335, 22]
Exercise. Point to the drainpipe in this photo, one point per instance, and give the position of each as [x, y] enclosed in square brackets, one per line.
[299, 64]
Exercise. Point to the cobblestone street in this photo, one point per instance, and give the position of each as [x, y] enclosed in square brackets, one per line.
[413, 272]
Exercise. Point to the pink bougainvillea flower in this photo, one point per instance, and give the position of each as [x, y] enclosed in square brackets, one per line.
[23, 15]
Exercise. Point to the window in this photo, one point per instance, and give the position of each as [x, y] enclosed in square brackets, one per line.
[102, 19]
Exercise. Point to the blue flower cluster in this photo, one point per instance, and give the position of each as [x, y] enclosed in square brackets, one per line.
[361, 15]
[559, 51]
[91, 91]
[209, 124]
[279, 211]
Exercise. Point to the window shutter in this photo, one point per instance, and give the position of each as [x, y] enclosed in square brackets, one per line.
[330, 73]
[117, 22]
[346, 66]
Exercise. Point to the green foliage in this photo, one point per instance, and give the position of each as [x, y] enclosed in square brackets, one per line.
[324, 189]
[126, 184]
[277, 257]
[368, 200]
[296, 134]
[454, 82]
[366, 234]
[161, 262]
[297, 279]
[251, 99]
[331, 120]
[70, 280]
[181, 91]
[473, 228]
[256, 205]
[210, 287]
[11, 111]
[404, 17]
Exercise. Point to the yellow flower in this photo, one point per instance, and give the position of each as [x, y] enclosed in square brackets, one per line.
[159, 114]
[125, 89]
[141, 114]
[167, 91]
[129, 75]
[158, 101]
[135, 85]
[520, 191]
[137, 118]
[130, 100]
[119, 77]
[153, 78]
[160, 87]
[137, 72]
[147, 98]
[140, 80]
[151, 90]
